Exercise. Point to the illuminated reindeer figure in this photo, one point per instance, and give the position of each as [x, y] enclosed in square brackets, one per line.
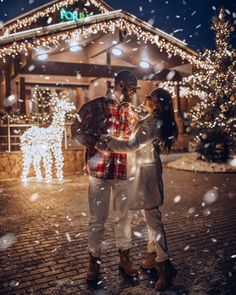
[39, 143]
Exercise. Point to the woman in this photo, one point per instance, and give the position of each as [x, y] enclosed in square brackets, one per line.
[157, 130]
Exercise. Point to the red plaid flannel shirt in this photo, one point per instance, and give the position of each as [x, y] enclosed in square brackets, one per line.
[101, 116]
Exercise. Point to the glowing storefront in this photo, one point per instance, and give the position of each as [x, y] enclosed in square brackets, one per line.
[77, 46]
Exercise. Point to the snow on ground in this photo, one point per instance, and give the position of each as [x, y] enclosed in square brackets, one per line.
[191, 163]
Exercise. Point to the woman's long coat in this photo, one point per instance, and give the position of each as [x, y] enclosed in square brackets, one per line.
[145, 185]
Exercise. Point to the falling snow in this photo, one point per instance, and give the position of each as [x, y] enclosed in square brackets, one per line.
[31, 68]
[156, 38]
[191, 210]
[68, 237]
[210, 196]
[233, 256]
[10, 100]
[7, 241]
[177, 199]
[178, 30]
[170, 75]
[137, 234]
[49, 20]
[151, 21]
[14, 283]
[206, 212]
[158, 237]
[34, 197]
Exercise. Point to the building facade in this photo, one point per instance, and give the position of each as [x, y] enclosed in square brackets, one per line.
[76, 48]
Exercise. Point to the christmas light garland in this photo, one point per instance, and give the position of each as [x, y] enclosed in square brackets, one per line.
[52, 41]
[185, 90]
[27, 21]
[213, 119]
[15, 117]
[45, 144]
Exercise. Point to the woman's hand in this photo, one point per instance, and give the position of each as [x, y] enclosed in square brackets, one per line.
[103, 136]
[101, 145]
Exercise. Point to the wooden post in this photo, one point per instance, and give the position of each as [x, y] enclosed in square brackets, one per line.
[179, 120]
[177, 91]
[109, 63]
[7, 75]
[2, 90]
[8, 135]
[22, 96]
[17, 65]
[109, 85]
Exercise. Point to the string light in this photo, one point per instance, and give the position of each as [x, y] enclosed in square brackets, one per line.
[111, 26]
[46, 143]
[213, 119]
[41, 97]
[45, 12]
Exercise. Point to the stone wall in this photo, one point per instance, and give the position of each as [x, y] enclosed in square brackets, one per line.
[11, 163]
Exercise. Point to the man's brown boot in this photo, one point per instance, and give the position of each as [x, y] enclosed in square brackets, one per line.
[93, 268]
[166, 272]
[126, 265]
[149, 261]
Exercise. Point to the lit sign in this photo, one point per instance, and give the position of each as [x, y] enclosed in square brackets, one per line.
[68, 15]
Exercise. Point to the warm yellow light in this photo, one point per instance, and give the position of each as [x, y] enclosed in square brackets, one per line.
[45, 12]
[51, 41]
[43, 146]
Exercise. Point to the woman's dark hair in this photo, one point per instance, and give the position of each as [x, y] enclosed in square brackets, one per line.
[165, 118]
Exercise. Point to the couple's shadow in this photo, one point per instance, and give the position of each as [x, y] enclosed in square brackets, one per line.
[134, 281]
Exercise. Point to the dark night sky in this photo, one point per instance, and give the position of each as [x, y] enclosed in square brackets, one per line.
[188, 20]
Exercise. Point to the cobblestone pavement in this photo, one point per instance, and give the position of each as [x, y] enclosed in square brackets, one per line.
[43, 237]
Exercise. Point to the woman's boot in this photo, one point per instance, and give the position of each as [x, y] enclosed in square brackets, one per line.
[126, 265]
[166, 272]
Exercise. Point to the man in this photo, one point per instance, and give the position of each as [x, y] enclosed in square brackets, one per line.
[111, 114]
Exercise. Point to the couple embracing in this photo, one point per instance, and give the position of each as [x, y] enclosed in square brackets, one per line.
[123, 160]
